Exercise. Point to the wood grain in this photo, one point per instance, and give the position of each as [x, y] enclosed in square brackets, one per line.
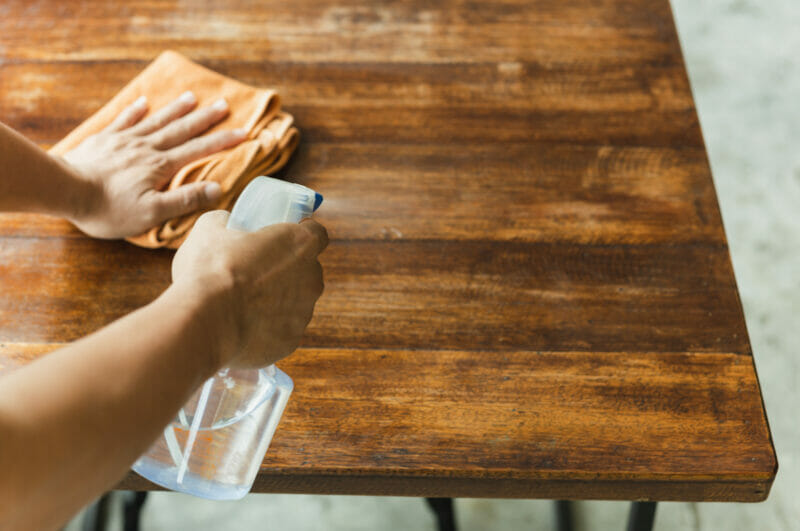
[557, 423]
[517, 102]
[528, 287]
[584, 32]
[487, 295]
[553, 193]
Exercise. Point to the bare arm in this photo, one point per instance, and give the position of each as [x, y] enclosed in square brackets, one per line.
[72, 422]
[110, 185]
[33, 181]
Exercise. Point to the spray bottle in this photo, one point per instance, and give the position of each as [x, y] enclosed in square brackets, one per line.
[214, 447]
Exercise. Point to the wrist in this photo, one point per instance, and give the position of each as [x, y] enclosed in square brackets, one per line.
[81, 198]
[208, 324]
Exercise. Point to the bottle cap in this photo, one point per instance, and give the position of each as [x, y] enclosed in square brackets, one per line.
[266, 201]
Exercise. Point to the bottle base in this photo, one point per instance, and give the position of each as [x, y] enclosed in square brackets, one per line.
[191, 484]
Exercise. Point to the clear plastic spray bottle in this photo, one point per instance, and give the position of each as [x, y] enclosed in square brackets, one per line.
[214, 447]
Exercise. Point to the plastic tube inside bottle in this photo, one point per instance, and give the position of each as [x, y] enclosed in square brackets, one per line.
[198, 416]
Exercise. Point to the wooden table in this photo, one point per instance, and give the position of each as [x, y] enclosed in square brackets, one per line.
[528, 289]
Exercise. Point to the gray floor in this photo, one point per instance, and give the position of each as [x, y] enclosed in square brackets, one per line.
[744, 63]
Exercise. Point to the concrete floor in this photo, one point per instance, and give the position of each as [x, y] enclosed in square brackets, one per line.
[744, 63]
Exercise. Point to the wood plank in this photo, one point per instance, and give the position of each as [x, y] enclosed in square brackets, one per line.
[571, 423]
[483, 295]
[632, 104]
[583, 32]
[487, 295]
[25, 225]
[538, 193]
[274, 481]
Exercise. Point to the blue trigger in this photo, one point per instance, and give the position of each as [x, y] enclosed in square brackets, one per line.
[317, 200]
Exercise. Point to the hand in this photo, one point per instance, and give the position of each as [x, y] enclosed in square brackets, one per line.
[260, 288]
[131, 160]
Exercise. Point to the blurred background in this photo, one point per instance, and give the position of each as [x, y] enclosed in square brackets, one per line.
[743, 58]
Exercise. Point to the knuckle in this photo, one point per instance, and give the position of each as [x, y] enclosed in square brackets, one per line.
[229, 266]
[196, 147]
[115, 141]
[318, 233]
[126, 116]
[319, 287]
[153, 214]
[157, 138]
[284, 235]
[136, 142]
[179, 133]
[160, 160]
[318, 281]
[304, 235]
[213, 142]
[302, 241]
[205, 115]
[299, 323]
[210, 220]
[191, 197]
[130, 158]
[323, 237]
[182, 128]
[133, 146]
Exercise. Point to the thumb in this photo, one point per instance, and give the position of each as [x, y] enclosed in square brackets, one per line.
[186, 199]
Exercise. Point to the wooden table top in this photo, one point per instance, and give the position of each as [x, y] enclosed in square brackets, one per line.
[528, 289]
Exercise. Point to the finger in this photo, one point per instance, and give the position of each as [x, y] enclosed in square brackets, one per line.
[318, 234]
[129, 116]
[205, 145]
[185, 199]
[317, 285]
[214, 219]
[191, 125]
[174, 110]
[206, 226]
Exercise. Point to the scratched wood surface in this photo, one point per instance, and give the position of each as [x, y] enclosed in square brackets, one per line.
[528, 287]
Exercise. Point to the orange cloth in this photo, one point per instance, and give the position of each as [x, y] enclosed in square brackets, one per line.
[272, 138]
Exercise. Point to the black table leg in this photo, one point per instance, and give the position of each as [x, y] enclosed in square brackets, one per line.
[96, 515]
[643, 514]
[564, 520]
[133, 510]
[443, 508]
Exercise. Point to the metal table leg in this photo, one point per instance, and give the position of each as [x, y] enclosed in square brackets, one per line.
[564, 521]
[443, 508]
[133, 510]
[96, 515]
[642, 516]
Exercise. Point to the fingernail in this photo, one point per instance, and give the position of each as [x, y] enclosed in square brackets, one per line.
[220, 105]
[213, 191]
[140, 103]
[239, 133]
[188, 97]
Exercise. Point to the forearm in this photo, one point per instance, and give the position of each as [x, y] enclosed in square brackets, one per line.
[33, 181]
[74, 421]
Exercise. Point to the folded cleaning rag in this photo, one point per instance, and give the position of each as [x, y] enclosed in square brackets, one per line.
[270, 142]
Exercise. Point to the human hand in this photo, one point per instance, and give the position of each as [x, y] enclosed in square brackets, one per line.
[259, 287]
[130, 161]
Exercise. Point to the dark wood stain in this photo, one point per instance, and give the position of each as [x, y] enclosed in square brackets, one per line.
[528, 288]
